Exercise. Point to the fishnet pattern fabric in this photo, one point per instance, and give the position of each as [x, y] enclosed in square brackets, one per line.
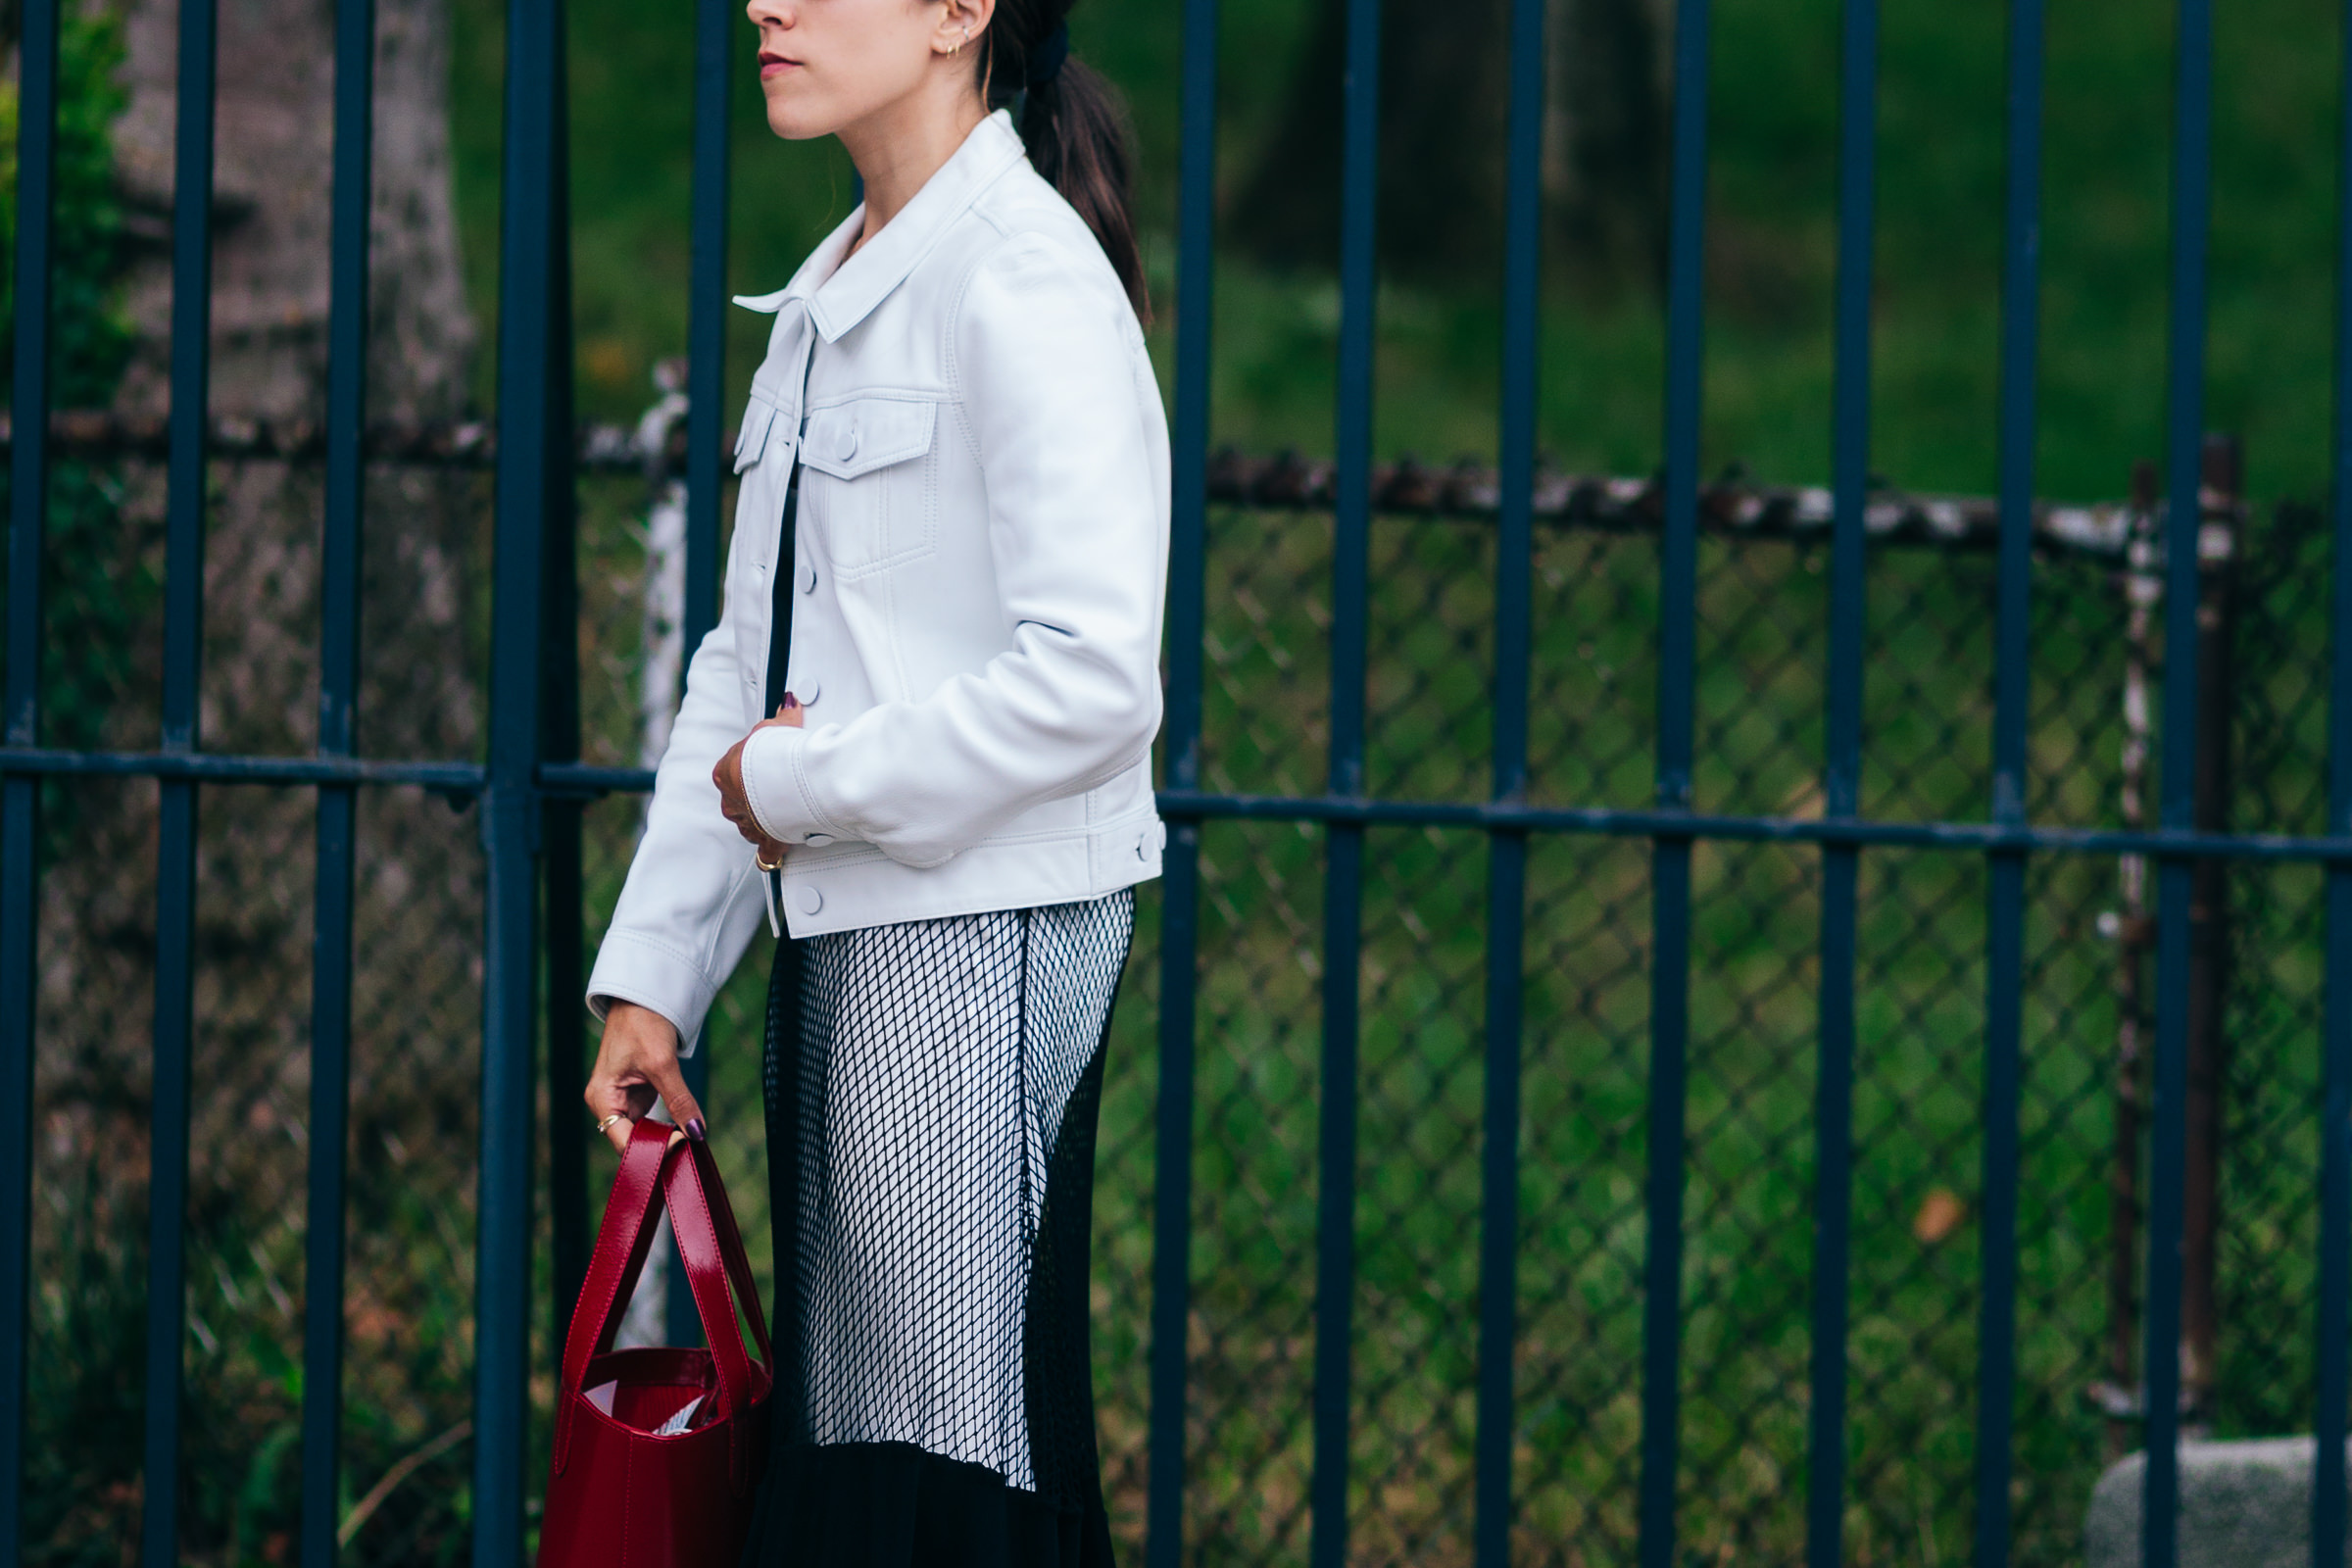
[931, 1114]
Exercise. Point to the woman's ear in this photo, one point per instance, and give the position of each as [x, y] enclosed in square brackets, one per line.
[962, 22]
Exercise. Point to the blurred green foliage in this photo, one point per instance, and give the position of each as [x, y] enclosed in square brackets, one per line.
[98, 595]
[90, 337]
[1771, 221]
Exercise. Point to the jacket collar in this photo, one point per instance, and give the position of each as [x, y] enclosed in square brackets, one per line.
[839, 293]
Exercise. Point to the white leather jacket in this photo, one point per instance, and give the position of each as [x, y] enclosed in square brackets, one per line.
[981, 558]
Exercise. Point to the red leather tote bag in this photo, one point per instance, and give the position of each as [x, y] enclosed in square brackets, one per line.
[656, 1450]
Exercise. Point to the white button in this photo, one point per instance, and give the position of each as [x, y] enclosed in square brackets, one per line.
[808, 578]
[809, 689]
[818, 841]
[849, 443]
[811, 901]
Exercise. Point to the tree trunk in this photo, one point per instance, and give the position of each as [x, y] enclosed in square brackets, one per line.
[1445, 100]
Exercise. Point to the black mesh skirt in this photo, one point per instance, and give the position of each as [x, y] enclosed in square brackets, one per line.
[932, 1090]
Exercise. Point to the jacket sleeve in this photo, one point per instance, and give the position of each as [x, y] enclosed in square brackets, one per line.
[1060, 408]
[693, 901]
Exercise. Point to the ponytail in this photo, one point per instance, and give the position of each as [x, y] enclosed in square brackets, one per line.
[1074, 126]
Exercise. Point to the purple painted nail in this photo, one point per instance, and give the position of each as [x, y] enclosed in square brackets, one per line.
[696, 1130]
[791, 701]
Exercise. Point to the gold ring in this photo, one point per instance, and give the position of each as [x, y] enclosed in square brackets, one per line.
[618, 1115]
[762, 863]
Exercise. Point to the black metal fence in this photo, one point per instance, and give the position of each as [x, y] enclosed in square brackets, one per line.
[1589, 1105]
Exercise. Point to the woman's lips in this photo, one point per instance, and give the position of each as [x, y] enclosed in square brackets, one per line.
[772, 66]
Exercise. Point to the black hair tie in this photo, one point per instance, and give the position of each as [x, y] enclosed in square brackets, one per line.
[1046, 55]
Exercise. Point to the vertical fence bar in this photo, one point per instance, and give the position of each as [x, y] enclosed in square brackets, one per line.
[533, 450]
[1180, 867]
[1841, 787]
[705, 419]
[2333, 1351]
[1506, 852]
[2193, 125]
[1343, 883]
[20, 793]
[707, 313]
[338, 685]
[1670, 858]
[561, 819]
[2005, 918]
[175, 870]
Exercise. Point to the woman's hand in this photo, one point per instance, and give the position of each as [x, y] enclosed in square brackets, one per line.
[728, 776]
[636, 1063]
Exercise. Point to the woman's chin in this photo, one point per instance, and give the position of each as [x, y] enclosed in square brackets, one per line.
[793, 119]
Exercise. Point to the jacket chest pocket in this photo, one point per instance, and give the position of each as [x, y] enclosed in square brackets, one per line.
[869, 481]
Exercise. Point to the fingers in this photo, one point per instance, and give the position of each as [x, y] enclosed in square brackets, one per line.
[683, 1110]
[727, 776]
[616, 1132]
[621, 1089]
[627, 1101]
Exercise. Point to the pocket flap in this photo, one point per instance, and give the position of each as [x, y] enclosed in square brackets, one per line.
[859, 436]
[752, 440]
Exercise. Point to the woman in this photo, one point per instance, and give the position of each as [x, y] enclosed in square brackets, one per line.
[944, 595]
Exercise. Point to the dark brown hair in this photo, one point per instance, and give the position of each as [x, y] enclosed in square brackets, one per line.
[1073, 124]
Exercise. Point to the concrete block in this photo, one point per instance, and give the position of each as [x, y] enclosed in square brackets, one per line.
[2242, 1506]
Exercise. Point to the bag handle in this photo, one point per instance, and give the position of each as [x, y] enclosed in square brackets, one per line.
[622, 1242]
[731, 1249]
[713, 1256]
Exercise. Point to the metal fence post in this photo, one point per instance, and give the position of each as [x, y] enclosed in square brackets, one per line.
[2333, 1318]
[1343, 879]
[714, 22]
[338, 805]
[175, 871]
[1180, 866]
[1841, 788]
[2174, 877]
[2005, 891]
[563, 866]
[20, 726]
[559, 815]
[533, 481]
[1670, 856]
[1506, 852]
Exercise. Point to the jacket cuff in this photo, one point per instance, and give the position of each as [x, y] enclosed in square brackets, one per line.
[776, 784]
[632, 967]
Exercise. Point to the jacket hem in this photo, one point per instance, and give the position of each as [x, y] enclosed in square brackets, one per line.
[854, 894]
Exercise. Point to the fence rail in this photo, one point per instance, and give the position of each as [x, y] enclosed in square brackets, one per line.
[531, 788]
